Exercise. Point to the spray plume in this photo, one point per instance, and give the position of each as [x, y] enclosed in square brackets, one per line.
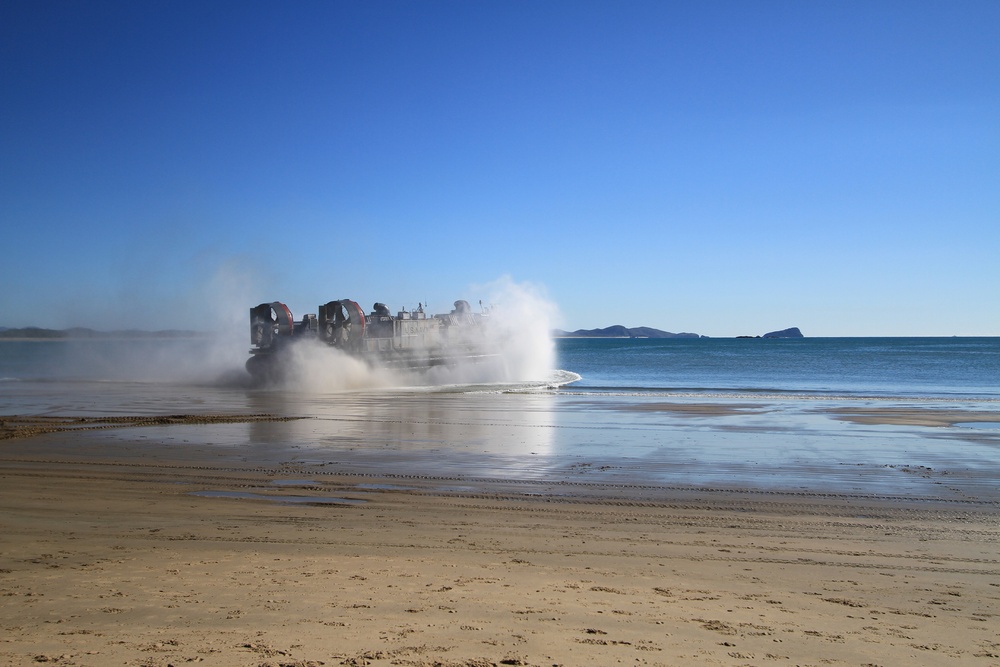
[513, 337]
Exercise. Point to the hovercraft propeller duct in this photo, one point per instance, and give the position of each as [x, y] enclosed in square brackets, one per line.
[269, 321]
[342, 324]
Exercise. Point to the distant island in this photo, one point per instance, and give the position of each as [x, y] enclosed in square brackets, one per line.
[792, 332]
[38, 333]
[619, 331]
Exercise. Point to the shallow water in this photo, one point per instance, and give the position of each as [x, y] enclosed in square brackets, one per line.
[669, 429]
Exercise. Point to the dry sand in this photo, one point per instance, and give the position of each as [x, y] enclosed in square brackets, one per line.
[111, 560]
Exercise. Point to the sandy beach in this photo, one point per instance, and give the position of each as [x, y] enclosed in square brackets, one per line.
[124, 551]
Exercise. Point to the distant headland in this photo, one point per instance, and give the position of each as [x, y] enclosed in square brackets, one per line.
[619, 331]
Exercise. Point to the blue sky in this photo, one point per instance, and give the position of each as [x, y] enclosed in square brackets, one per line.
[724, 168]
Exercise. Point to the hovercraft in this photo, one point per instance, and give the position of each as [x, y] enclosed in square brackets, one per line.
[410, 339]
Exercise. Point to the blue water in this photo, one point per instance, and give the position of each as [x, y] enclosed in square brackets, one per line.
[946, 368]
[855, 415]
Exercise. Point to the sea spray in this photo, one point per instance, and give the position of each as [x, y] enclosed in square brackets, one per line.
[513, 344]
[513, 340]
[520, 327]
[516, 333]
[315, 367]
[214, 354]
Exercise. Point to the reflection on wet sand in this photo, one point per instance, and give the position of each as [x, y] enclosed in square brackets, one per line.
[833, 445]
[495, 424]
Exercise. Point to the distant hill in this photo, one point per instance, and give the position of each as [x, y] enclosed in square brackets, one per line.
[791, 332]
[38, 333]
[619, 331]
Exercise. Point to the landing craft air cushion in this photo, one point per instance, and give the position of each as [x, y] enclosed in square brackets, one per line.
[410, 339]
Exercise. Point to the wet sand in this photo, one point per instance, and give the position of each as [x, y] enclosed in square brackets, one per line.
[190, 542]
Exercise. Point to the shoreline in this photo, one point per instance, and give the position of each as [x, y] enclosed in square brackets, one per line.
[562, 442]
[107, 556]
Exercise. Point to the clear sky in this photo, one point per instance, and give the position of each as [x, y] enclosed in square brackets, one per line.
[722, 168]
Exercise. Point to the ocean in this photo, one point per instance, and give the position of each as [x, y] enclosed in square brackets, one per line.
[887, 368]
[916, 417]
